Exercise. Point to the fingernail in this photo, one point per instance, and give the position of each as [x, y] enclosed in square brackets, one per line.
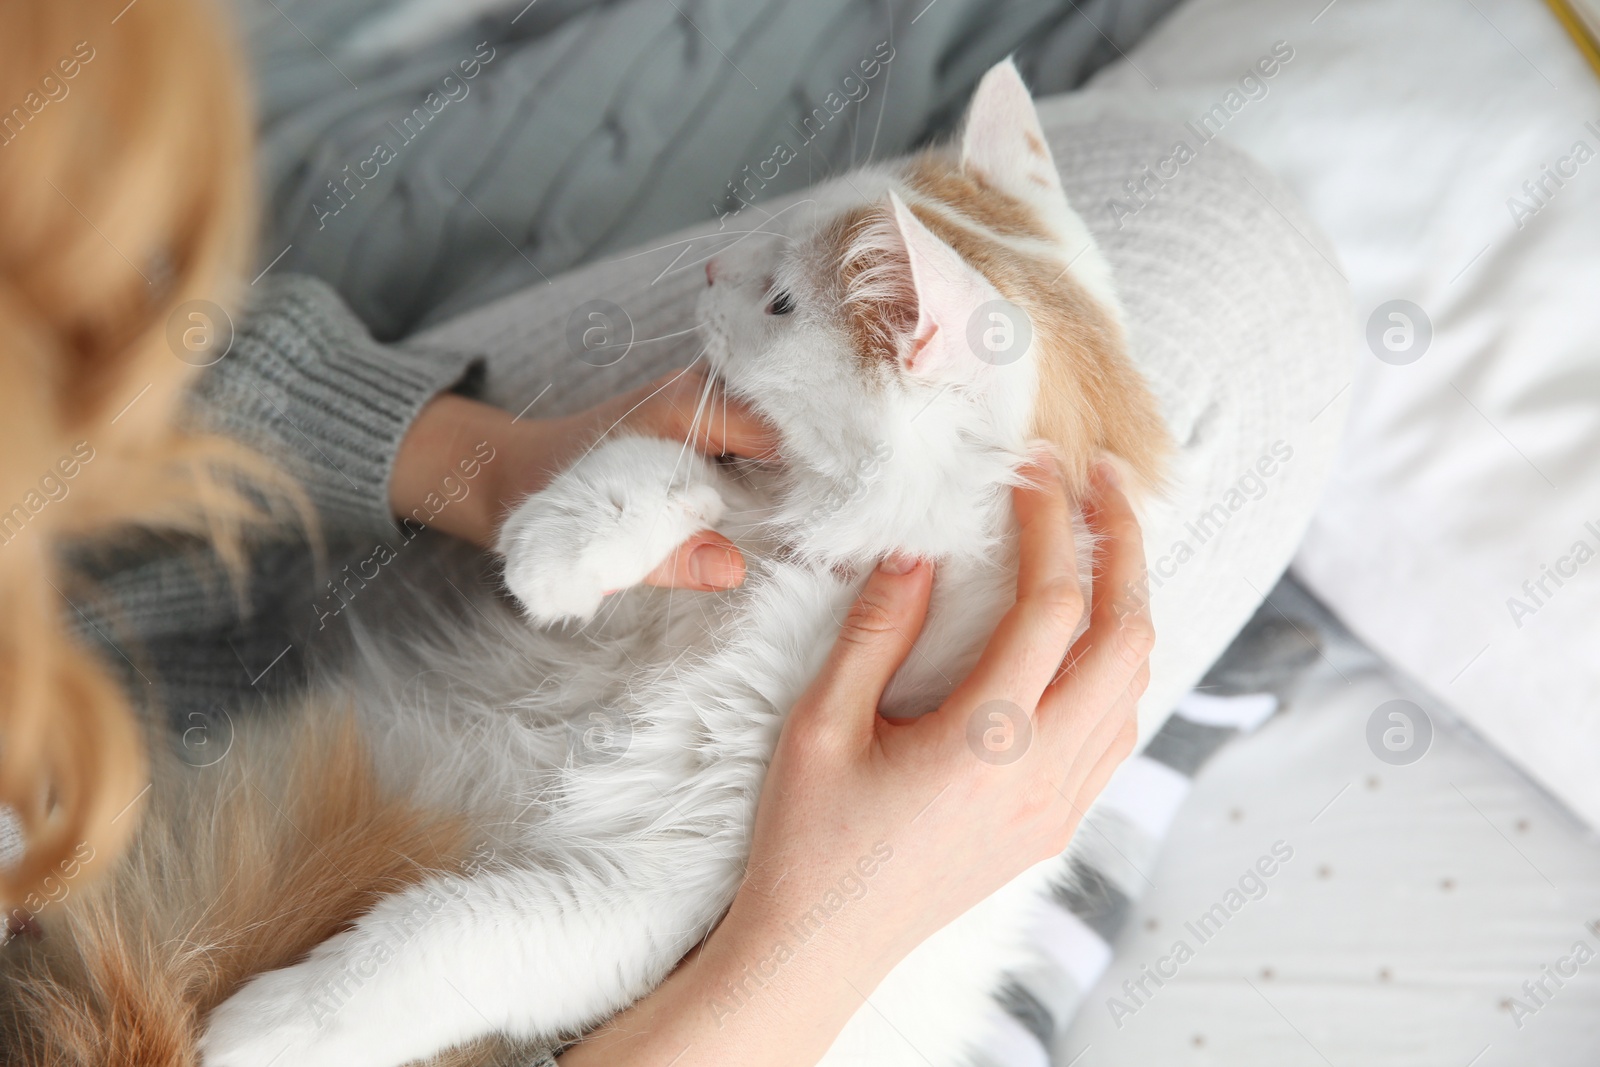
[898, 563]
[1106, 472]
[716, 566]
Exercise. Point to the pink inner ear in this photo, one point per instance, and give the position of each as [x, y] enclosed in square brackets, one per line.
[927, 330]
[948, 292]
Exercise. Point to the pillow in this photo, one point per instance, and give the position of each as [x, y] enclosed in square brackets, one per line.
[1452, 154]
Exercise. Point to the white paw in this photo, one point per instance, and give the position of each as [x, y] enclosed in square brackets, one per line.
[282, 1017]
[336, 1009]
[604, 525]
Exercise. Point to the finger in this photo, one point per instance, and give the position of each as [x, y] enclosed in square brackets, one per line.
[1072, 728]
[1073, 744]
[1089, 769]
[1116, 647]
[706, 561]
[876, 638]
[1112, 757]
[733, 429]
[1123, 577]
[1082, 795]
[1025, 652]
[716, 424]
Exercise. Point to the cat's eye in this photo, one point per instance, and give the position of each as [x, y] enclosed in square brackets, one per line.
[782, 303]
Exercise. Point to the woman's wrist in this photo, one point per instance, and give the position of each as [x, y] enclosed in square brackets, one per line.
[768, 988]
[452, 434]
[463, 463]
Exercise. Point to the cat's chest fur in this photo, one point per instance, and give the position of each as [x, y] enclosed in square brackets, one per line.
[613, 716]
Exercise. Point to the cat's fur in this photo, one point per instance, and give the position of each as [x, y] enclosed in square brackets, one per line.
[613, 754]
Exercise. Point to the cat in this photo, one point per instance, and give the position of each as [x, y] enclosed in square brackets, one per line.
[919, 327]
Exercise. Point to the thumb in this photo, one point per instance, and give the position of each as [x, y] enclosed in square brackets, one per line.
[706, 561]
[876, 638]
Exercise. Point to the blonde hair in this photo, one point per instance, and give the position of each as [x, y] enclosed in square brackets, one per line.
[125, 191]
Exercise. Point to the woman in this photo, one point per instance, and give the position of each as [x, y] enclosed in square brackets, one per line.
[126, 211]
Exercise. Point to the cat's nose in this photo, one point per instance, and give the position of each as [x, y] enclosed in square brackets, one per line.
[711, 272]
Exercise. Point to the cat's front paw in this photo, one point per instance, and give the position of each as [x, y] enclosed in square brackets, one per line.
[604, 525]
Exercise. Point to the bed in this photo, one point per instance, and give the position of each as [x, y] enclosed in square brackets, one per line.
[1444, 911]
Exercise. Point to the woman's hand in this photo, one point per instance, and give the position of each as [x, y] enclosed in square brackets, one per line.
[452, 435]
[910, 822]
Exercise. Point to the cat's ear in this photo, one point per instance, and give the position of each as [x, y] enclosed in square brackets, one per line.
[949, 293]
[1003, 142]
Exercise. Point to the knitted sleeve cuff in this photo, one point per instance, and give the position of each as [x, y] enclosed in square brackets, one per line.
[305, 384]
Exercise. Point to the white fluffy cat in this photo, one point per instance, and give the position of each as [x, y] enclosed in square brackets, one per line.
[924, 323]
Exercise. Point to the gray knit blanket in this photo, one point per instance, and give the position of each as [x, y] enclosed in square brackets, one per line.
[543, 135]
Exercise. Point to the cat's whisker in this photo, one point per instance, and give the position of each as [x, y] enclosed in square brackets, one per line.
[774, 216]
[675, 244]
[701, 405]
[888, 73]
[693, 430]
[765, 233]
[770, 217]
[666, 336]
[608, 608]
[834, 172]
[657, 391]
[674, 268]
[688, 242]
[740, 235]
[724, 395]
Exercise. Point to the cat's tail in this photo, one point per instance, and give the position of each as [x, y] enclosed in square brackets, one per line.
[239, 867]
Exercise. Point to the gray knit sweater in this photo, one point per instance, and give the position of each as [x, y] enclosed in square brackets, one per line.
[542, 136]
[305, 385]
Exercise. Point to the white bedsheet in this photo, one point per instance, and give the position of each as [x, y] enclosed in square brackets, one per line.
[1421, 898]
[1418, 901]
[1450, 150]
